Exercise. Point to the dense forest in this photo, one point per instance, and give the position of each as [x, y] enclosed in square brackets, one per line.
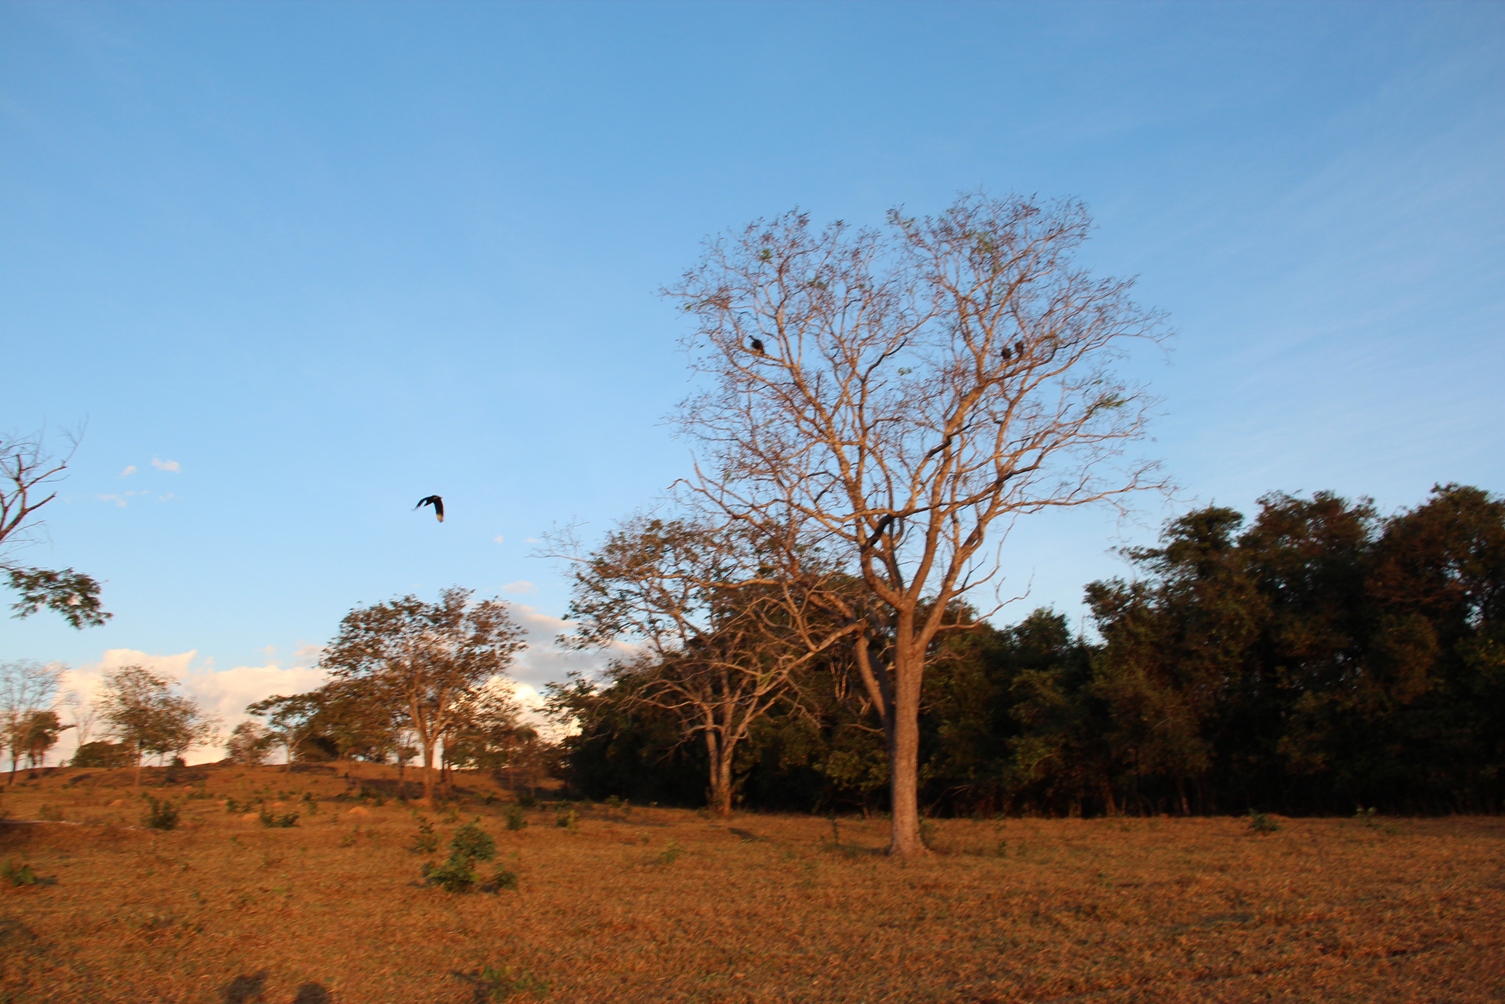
[1317, 659]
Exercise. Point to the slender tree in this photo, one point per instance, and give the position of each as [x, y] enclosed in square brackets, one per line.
[27, 689]
[423, 661]
[142, 712]
[892, 400]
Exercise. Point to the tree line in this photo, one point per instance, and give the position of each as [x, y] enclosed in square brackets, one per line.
[1314, 659]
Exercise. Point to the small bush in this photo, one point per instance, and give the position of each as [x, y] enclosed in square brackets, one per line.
[427, 842]
[515, 817]
[567, 819]
[309, 804]
[160, 814]
[504, 878]
[527, 801]
[273, 821]
[669, 854]
[455, 875]
[1259, 822]
[473, 842]
[17, 874]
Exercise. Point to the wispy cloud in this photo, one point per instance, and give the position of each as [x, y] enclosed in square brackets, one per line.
[121, 499]
[171, 466]
[520, 586]
[129, 470]
[497, 538]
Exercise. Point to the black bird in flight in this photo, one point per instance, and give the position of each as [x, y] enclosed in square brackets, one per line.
[436, 502]
[757, 346]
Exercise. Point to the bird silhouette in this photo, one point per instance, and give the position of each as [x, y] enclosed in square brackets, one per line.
[757, 346]
[1019, 348]
[436, 502]
[1005, 353]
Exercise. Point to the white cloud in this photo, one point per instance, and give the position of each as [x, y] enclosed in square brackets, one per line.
[129, 470]
[121, 499]
[497, 538]
[171, 466]
[166, 498]
[520, 586]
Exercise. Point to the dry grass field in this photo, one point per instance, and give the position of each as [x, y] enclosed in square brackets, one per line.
[654, 904]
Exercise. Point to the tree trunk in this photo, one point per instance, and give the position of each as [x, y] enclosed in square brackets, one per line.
[138, 765]
[428, 774]
[720, 775]
[903, 730]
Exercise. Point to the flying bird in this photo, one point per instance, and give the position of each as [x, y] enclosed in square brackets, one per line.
[436, 502]
[757, 346]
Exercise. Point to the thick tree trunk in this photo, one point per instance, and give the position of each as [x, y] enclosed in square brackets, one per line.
[903, 728]
[720, 775]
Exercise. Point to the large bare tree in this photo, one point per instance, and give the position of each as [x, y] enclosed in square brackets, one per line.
[28, 472]
[891, 400]
[425, 661]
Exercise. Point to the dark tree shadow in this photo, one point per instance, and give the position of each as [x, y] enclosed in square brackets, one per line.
[312, 993]
[246, 989]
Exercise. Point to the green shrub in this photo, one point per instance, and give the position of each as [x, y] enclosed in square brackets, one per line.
[103, 754]
[17, 874]
[567, 819]
[515, 817]
[427, 842]
[669, 854]
[455, 875]
[504, 878]
[1259, 822]
[160, 814]
[276, 822]
[473, 842]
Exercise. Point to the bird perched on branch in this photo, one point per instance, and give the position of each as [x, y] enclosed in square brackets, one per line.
[436, 502]
[757, 346]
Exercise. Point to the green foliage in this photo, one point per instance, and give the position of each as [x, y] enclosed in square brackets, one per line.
[473, 842]
[104, 754]
[426, 842]
[18, 874]
[515, 817]
[567, 819]
[274, 821]
[1259, 822]
[160, 814]
[457, 874]
[669, 854]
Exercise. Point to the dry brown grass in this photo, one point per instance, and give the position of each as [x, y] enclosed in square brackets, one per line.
[656, 904]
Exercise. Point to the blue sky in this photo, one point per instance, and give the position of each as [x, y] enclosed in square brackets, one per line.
[329, 258]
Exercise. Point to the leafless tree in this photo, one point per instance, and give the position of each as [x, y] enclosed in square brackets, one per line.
[718, 646]
[892, 400]
[28, 472]
[27, 690]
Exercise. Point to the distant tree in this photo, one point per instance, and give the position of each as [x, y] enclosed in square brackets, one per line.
[27, 471]
[289, 721]
[911, 393]
[248, 744]
[718, 647]
[102, 754]
[27, 689]
[490, 733]
[42, 731]
[141, 711]
[422, 662]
